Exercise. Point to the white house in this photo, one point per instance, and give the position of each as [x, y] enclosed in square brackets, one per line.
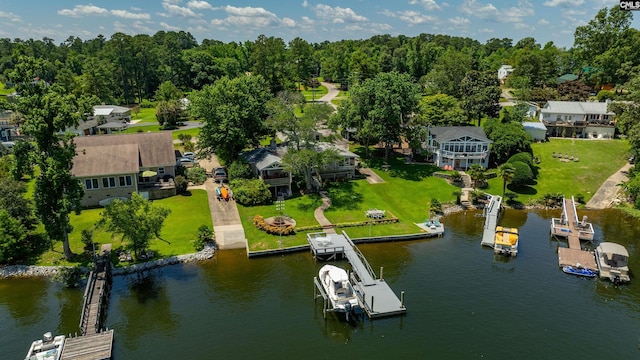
[458, 147]
[112, 113]
[536, 130]
[503, 72]
[578, 119]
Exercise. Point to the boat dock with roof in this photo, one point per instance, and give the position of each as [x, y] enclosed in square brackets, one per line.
[568, 226]
[374, 294]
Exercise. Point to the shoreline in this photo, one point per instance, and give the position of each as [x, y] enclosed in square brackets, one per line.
[29, 271]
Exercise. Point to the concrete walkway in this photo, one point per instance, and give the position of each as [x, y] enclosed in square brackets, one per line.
[372, 177]
[606, 194]
[332, 92]
[227, 226]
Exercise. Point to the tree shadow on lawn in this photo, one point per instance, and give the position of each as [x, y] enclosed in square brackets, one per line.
[343, 196]
[522, 189]
[397, 165]
[307, 202]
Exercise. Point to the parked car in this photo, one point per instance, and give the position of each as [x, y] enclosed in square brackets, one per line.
[189, 155]
[220, 175]
[186, 162]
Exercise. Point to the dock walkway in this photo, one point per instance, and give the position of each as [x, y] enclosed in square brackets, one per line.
[93, 343]
[491, 213]
[375, 296]
[568, 226]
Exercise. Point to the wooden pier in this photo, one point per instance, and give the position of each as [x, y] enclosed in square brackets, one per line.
[375, 296]
[568, 226]
[491, 213]
[93, 343]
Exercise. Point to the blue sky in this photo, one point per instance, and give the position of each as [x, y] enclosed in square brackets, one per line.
[314, 21]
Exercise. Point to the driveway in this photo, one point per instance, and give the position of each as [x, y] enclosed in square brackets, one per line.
[606, 194]
[332, 92]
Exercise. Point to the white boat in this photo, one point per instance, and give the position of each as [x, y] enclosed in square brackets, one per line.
[506, 241]
[47, 348]
[335, 282]
[612, 260]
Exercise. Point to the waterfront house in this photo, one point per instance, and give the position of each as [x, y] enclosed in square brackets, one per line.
[536, 130]
[580, 119]
[115, 166]
[458, 147]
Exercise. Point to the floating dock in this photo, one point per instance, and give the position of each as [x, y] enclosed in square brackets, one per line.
[491, 213]
[568, 226]
[375, 296]
[88, 347]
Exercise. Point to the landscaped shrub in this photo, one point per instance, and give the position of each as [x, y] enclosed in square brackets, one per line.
[71, 277]
[522, 157]
[435, 206]
[522, 174]
[197, 175]
[240, 169]
[86, 236]
[259, 222]
[251, 192]
[205, 236]
[146, 104]
[552, 199]
[181, 184]
[580, 198]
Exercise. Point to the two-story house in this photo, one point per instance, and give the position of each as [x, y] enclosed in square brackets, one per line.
[458, 147]
[578, 119]
[114, 166]
[503, 72]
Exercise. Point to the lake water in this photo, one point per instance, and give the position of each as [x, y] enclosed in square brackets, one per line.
[462, 303]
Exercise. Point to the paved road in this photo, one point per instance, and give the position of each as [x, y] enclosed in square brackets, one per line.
[332, 92]
[606, 194]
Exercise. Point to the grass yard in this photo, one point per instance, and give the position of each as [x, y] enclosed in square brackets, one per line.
[188, 213]
[598, 159]
[146, 128]
[193, 132]
[316, 93]
[145, 115]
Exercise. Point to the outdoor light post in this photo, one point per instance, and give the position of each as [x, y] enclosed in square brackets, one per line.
[280, 208]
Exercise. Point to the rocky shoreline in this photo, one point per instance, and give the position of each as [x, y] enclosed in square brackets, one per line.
[21, 271]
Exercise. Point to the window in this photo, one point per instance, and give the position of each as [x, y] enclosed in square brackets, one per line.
[108, 182]
[125, 180]
[160, 171]
[91, 184]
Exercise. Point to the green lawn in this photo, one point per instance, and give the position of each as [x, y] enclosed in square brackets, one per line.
[145, 115]
[146, 128]
[4, 91]
[188, 213]
[193, 132]
[598, 159]
[316, 93]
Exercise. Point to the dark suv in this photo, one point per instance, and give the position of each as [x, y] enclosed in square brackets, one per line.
[220, 175]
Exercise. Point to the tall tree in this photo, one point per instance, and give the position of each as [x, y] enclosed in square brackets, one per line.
[233, 112]
[269, 59]
[506, 172]
[49, 111]
[481, 95]
[447, 73]
[138, 221]
[441, 110]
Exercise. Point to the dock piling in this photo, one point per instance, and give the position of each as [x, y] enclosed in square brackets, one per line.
[402, 298]
[381, 270]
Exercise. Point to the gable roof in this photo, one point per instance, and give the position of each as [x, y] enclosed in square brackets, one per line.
[106, 110]
[534, 125]
[576, 107]
[261, 158]
[446, 133]
[123, 153]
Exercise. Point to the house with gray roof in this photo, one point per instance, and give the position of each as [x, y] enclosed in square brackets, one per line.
[266, 164]
[115, 166]
[536, 130]
[578, 119]
[458, 147]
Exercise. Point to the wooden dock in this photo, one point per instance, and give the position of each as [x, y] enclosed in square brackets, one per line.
[375, 296]
[568, 226]
[88, 347]
[94, 343]
[491, 213]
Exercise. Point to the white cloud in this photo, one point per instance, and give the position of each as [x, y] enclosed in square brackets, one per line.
[305, 3]
[169, 27]
[255, 17]
[10, 16]
[563, 3]
[129, 15]
[83, 10]
[338, 14]
[488, 12]
[411, 17]
[543, 22]
[200, 5]
[486, 30]
[288, 22]
[173, 9]
[459, 21]
[427, 4]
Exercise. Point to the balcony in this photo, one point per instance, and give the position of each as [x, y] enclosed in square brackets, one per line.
[276, 179]
[463, 155]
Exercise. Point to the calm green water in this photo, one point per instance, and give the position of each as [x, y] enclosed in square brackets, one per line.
[462, 301]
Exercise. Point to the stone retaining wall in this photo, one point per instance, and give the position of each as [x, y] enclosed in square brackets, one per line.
[17, 271]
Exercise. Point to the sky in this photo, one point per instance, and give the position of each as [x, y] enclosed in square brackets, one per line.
[314, 21]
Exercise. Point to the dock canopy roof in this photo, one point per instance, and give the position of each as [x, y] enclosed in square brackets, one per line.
[613, 248]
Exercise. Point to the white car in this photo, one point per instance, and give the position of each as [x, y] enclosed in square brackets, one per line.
[189, 155]
[186, 162]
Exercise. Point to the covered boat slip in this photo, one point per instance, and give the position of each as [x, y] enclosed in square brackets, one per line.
[375, 296]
